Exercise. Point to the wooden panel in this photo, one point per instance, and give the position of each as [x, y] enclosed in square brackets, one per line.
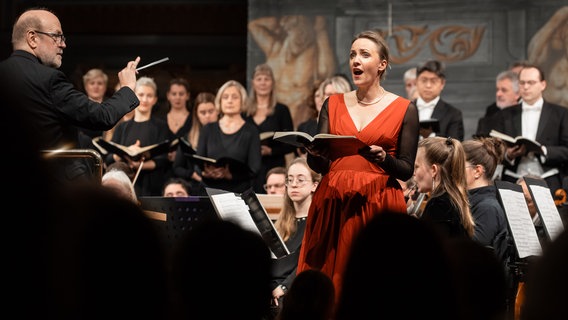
[272, 203]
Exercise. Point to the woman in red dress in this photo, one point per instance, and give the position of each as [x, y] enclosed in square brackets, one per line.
[355, 188]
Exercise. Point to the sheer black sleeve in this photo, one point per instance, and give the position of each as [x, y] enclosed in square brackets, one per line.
[319, 164]
[402, 166]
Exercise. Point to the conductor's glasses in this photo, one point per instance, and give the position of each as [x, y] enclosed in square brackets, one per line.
[59, 38]
[299, 181]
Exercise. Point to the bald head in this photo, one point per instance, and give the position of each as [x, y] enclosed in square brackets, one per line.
[38, 31]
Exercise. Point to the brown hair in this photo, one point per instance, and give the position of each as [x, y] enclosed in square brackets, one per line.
[182, 82]
[449, 155]
[485, 151]
[193, 135]
[286, 222]
[382, 47]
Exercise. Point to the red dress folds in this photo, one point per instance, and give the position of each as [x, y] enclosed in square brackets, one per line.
[352, 192]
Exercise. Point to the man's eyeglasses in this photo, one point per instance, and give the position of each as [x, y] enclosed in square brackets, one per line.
[300, 181]
[433, 81]
[57, 37]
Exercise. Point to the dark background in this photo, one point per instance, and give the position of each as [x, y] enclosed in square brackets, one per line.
[206, 41]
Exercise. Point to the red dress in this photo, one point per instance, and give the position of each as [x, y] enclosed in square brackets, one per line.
[353, 191]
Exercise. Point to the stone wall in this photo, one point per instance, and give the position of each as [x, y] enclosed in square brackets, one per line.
[476, 40]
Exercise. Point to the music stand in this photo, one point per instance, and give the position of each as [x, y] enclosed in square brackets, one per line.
[519, 220]
[182, 215]
[523, 233]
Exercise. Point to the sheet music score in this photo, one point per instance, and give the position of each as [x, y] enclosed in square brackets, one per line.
[547, 210]
[233, 208]
[520, 222]
[246, 211]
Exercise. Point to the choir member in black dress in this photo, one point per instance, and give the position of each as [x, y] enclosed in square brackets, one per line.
[268, 115]
[232, 138]
[144, 130]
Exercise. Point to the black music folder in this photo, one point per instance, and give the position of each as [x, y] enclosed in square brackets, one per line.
[246, 211]
[147, 152]
[433, 124]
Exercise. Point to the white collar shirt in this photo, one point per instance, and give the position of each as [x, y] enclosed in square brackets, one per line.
[530, 118]
[425, 109]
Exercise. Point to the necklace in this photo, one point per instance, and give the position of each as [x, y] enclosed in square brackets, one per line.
[178, 118]
[372, 102]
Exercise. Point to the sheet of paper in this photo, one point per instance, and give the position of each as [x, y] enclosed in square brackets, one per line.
[233, 208]
[547, 210]
[520, 222]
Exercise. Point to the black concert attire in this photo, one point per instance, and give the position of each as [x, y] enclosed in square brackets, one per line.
[279, 120]
[440, 211]
[55, 108]
[243, 146]
[149, 182]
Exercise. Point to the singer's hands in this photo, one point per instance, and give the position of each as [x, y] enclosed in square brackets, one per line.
[127, 76]
[318, 150]
[375, 154]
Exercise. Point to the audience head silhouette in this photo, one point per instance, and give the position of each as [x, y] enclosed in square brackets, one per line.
[108, 258]
[398, 269]
[310, 297]
[546, 295]
[217, 261]
[480, 280]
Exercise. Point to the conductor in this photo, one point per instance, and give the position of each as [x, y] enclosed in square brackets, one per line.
[32, 86]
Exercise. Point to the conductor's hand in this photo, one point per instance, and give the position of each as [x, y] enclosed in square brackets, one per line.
[127, 76]
[375, 154]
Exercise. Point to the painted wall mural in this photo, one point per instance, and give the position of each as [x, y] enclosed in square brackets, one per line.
[306, 43]
[447, 43]
[297, 47]
[548, 48]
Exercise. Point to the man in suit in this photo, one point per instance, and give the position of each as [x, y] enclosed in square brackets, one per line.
[506, 95]
[430, 81]
[538, 120]
[32, 85]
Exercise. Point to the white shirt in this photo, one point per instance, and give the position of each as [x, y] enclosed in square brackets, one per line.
[530, 118]
[425, 109]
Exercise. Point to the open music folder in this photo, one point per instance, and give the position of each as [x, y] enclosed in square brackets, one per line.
[247, 211]
[519, 219]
